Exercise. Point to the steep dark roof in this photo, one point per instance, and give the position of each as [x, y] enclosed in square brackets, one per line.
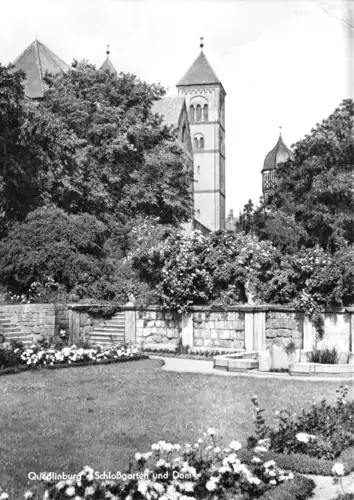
[170, 107]
[279, 154]
[107, 65]
[35, 61]
[199, 73]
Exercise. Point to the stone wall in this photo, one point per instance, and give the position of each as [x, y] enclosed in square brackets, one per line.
[81, 322]
[219, 329]
[282, 327]
[156, 326]
[43, 319]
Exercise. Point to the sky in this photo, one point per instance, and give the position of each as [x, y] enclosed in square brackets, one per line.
[282, 63]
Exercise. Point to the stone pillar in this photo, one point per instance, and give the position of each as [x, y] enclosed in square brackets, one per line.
[130, 326]
[249, 330]
[259, 330]
[187, 330]
[308, 335]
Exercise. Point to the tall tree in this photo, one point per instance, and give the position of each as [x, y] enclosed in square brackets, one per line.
[316, 188]
[129, 163]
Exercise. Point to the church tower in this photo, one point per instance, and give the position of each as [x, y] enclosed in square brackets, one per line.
[278, 155]
[205, 98]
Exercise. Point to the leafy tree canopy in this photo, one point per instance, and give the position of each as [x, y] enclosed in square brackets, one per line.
[91, 146]
[313, 200]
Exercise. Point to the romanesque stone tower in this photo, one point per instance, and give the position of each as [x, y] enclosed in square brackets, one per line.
[205, 97]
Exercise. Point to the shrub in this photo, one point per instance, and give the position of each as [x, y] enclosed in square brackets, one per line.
[300, 488]
[204, 471]
[324, 356]
[290, 348]
[304, 464]
[322, 431]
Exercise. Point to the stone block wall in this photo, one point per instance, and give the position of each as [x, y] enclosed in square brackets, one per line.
[156, 327]
[42, 319]
[282, 327]
[219, 329]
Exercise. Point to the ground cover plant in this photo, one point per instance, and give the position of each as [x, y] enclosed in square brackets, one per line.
[321, 430]
[63, 420]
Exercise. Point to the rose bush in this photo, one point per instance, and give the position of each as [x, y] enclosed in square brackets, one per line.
[322, 431]
[205, 470]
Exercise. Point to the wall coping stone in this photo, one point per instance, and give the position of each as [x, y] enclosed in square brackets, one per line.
[216, 308]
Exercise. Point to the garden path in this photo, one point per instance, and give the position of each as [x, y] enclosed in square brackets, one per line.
[326, 490]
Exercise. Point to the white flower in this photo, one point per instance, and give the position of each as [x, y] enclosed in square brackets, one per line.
[28, 494]
[155, 447]
[147, 455]
[70, 491]
[143, 486]
[217, 449]
[160, 463]
[254, 480]
[58, 486]
[273, 482]
[269, 464]
[211, 431]
[290, 475]
[235, 445]
[256, 460]
[138, 456]
[260, 449]
[4, 496]
[89, 491]
[210, 486]
[338, 469]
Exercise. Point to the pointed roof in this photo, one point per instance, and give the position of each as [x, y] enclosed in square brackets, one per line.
[108, 66]
[200, 73]
[279, 154]
[170, 108]
[36, 61]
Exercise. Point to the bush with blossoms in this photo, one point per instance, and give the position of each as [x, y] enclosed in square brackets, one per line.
[198, 269]
[323, 430]
[35, 356]
[204, 470]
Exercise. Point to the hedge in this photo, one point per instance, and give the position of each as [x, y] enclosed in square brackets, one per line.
[304, 464]
[300, 488]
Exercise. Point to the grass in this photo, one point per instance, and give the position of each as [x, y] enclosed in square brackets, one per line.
[102, 415]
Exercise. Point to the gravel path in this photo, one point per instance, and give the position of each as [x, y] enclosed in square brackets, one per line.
[326, 490]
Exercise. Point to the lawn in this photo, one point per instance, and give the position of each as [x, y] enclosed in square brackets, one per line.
[102, 415]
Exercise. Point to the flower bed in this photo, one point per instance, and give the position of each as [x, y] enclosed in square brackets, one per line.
[311, 442]
[21, 358]
[203, 471]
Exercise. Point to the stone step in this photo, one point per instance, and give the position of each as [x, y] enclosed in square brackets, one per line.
[108, 338]
[108, 331]
[112, 325]
[11, 329]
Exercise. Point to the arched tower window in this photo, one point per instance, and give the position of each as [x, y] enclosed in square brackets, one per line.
[198, 117]
[191, 113]
[205, 112]
[198, 141]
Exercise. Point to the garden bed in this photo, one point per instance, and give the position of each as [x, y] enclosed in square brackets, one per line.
[159, 354]
[22, 368]
[320, 369]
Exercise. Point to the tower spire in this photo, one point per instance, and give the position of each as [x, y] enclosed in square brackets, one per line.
[280, 127]
[201, 43]
[107, 51]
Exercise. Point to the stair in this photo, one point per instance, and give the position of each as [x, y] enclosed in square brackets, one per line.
[240, 362]
[13, 332]
[110, 332]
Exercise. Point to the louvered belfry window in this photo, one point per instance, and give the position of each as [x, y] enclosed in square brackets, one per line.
[205, 112]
